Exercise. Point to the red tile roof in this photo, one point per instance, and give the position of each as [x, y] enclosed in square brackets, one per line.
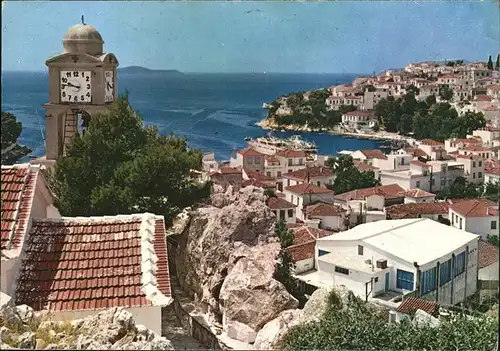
[375, 153]
[475, 208]
[272, 159]
[250, 152]
[491, 108]
[18, 189]
[430, 142]
[412, 304]
[413, 210]
[494, 87]
[390, 191]
[302, 189]
[417, 193]
[258, 183]
[229, 170]
[482, 98]
[364, 167]
[275, 203]
[469, 157]
[311, 172]
[304, 241]
[259, 176]
[93, 263]
[420, 164]
[289, 153]
[488, 254]
[322, 209]
[416, 152]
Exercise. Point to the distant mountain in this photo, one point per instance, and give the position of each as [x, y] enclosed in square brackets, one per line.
[138, 70]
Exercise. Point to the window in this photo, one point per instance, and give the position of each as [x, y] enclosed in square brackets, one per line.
[479, 174]
[274, 211]
[318, 183]
[433, 181]
[288, 183]
[301, 161]
[268, 174]
[360, 250]
[460, 223]
[290, 213]
[322, 252]
[292, 198]
[289, 162]
[257, 160]
[418, 184]
[341, 270]
[250, 160]
[480, 163]
[445, 272]
[376, 279]
[282, 215]
[404, 280]
[428, 281]
[459, 266]
[473, 163]
[279, 174]
[474, 175]
[493, 224]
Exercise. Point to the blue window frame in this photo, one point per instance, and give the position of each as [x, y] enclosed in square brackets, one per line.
[322, 252]
[404, 280]
[428, 281]
[445, 272]
[459, 266]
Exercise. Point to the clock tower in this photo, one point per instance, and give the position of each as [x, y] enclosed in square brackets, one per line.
[82, 82]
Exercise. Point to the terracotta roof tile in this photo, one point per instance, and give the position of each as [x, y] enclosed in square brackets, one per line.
[417, 193]
[375, 153]
[275, 203]
[390, 191]
[482, 98]
[289, 153]
[17, 193]
[229, 170]
[250, 152]
[416, 152]
[364, 167]
[359, 113]
[258, 184]
[322, 209]
[430, 142]
[91, 263]
[413, 210]
[271, 159]
[412, 304]
[475, 208]
[488, 254]
[259, 176]
[304, 241]
[302, 189]
[311, 172]
[420, 164]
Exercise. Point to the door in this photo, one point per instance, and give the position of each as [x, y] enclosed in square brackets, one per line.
[387, 275]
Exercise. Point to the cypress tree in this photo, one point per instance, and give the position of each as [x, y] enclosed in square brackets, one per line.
[497, 64]
[490, 63]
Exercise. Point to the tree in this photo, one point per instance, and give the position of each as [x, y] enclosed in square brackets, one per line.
[497, 63]
[490, 63]
[445, 93]
[413, 89]
[493, 239]
[269, 193]
[492, 191]
[460, 189]
[348, 177]
[11, 130]
[119, 166]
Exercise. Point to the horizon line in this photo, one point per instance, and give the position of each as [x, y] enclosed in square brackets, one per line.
[187, 72]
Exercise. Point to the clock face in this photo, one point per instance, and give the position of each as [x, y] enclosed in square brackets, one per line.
[76, 86]
[109, 88]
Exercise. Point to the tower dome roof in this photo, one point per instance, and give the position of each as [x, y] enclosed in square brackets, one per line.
[83, 38]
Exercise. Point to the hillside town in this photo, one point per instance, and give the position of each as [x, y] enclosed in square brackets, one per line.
[112, 240]
[467, 87]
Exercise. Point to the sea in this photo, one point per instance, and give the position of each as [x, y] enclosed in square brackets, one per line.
[215, 112]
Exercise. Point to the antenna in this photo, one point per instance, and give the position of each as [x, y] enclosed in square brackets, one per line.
[83, 21]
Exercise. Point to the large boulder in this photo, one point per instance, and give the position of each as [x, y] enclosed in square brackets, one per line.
[274, 330]
[210, 260]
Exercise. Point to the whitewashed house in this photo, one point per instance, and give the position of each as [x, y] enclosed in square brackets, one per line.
[478, 216]
[332, 217]
[317, 175]
[282, 209]
[418, 176]
[369, 156]
[418, 196]
[304, 194]
[25, 197]
[356, 119]
[488, 274]
[435, 149]
[396, 256]
[473, 168]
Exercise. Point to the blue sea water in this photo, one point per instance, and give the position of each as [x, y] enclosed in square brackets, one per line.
[214, 111]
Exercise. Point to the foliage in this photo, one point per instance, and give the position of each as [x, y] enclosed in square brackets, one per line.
[492, 191]
[490, 63]
[119, 166]
[11, 130]
[348, 177]
[460, 189]
[269, 193]
[361, 327]
[493, 239]
[284, 268]
[497, 63]
[445, 93]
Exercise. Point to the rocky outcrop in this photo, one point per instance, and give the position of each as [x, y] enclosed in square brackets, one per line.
[112, 329]
[225, 260]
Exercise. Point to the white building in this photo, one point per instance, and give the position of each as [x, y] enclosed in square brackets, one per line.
[435, 149]
[413, 196]
[356, 119]
[488, 266]
[393, 161]
[478, 216]
[304, 194]
[397, 256]
[332, 217]
[282, 209]
[418, 176]
[317, 175]
[473, 168]
[368, 156]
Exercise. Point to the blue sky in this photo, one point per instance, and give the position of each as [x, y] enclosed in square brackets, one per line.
[354, 37]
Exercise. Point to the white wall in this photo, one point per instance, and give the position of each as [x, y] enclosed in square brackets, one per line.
[9, 269]
[149, 316]
[303, 265]
[419, 200]
[335, 223]
[490, 272]
[355, 281]
[288, 219]
[476, 225]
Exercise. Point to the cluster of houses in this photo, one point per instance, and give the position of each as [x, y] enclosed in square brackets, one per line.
[475, 88]
[388, 240]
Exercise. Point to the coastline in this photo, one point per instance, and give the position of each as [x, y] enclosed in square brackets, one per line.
[266, 124]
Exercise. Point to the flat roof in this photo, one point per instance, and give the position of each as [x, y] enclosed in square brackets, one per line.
[347, 258]
[420, 240]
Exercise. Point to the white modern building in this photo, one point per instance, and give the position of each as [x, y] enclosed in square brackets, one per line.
[421, 256]
[478, 216]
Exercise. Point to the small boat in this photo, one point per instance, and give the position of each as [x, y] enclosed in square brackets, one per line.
[248, 138]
